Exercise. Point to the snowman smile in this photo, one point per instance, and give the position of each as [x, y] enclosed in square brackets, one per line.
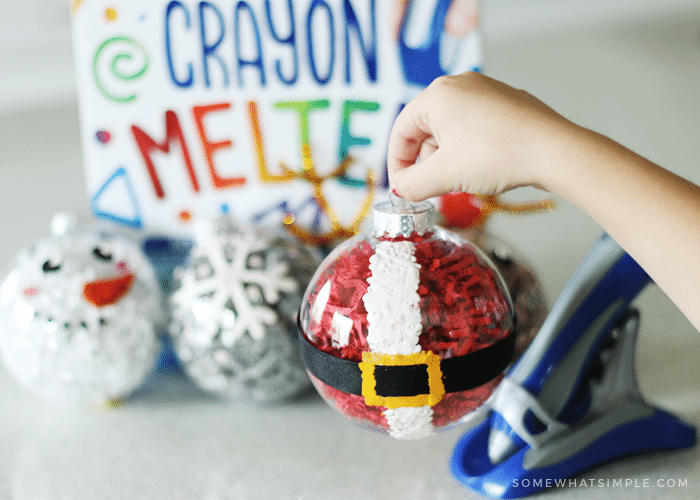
[68, 325]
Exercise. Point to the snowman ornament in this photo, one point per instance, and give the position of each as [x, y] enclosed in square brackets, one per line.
[78, 317]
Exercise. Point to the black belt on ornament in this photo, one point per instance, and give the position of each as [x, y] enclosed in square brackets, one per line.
[407, 380]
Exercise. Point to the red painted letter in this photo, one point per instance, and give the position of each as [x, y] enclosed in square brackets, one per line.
[173, 132]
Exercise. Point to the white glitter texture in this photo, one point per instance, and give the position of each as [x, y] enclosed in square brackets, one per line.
[233, 314]
[393, 314]
[410, 423]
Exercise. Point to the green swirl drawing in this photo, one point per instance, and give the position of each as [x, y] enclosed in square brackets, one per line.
[116, 64]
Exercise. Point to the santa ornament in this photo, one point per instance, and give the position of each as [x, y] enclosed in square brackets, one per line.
[233, 312]
[408, 329]
[78, 316]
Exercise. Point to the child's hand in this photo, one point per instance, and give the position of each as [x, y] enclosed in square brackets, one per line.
[472, 134]
[479, 135]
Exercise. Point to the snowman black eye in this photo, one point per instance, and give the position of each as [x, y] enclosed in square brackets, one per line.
[50, 266]
[102, 254]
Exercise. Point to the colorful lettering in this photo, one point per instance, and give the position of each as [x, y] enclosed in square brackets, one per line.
[369, 51]
[209, 49]
[347, 140]
[173, 132]
[303, 108]
[258, 61]
[315, 4]
[250, 36]
[289, 40]
[168, 50]
[210, 147]
[263, 172]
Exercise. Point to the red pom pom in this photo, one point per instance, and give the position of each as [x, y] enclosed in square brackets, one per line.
[462, 210]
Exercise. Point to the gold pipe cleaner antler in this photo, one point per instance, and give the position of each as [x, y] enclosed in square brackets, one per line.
[308, 174]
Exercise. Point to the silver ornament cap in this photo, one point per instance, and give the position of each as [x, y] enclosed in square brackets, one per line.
[399, 217]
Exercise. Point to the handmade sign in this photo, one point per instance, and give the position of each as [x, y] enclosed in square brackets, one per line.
[272, 110]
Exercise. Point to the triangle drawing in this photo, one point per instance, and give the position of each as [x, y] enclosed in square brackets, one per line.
[116, 200]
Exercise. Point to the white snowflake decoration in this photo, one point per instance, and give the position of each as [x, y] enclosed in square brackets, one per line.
[234, 310]
[238, 284]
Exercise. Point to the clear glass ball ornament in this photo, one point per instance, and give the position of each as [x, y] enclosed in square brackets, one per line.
[526, 290]
[467, 215]
[233, 307]
[79, 314]
[406, 329]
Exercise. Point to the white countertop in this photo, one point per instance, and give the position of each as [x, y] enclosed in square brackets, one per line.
[635, 80]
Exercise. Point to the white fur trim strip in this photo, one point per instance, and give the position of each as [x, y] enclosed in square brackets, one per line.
[394, 323]
[392, 300]
[410, 423]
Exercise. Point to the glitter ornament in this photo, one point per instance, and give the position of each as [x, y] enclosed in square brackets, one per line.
[78, 316]
[408, 329]
[233, 312]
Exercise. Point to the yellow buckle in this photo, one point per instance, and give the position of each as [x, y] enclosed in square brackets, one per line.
[369, 383]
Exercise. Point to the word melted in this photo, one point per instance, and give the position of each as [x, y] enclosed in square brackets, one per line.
[174, 135]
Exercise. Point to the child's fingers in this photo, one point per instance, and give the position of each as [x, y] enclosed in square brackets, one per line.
[427, 148]
[402, 153]
[421, 180]
[406, 140]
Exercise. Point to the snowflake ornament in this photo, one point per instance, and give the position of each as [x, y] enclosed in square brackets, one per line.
[78, 317]
[234, 310]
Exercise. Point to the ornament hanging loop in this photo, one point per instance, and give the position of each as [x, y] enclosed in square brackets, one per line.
[397, 201]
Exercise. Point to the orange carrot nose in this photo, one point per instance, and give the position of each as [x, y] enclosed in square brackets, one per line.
[106, 292]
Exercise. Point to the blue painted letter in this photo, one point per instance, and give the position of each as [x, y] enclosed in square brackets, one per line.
[168, 51]
[369, 51]
[290, 40]
[258, 61]
[209, 50]
[321, 79]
